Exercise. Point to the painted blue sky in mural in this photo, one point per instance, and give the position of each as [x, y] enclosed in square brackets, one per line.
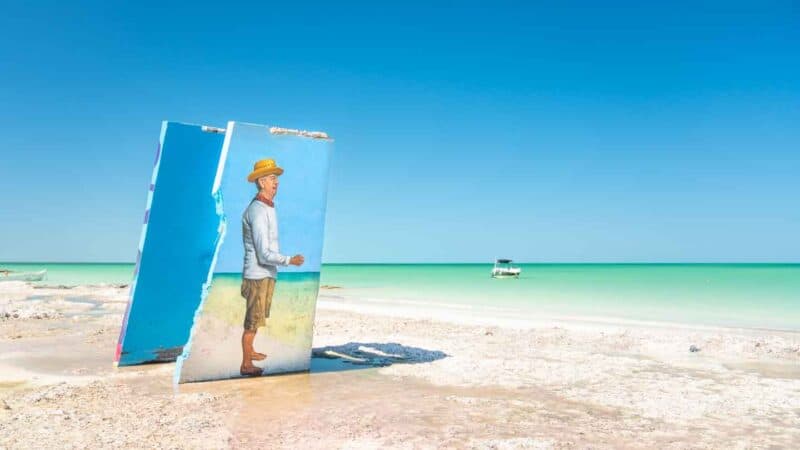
[299, 204]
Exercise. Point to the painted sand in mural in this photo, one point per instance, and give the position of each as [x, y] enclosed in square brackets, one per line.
[257, 311]
[176, 246]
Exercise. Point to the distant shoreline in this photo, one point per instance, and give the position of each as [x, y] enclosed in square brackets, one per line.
[772, 263]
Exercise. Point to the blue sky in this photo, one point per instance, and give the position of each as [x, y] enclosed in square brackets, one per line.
[627, 132]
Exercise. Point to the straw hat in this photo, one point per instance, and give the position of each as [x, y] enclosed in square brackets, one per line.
[263, 168]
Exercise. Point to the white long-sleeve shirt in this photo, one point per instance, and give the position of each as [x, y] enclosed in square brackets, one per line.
[260, 236]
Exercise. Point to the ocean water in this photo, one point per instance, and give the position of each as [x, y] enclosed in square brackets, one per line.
[741, 295]
[71, 274]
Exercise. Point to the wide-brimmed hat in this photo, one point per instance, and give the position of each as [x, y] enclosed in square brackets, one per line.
[263, 168]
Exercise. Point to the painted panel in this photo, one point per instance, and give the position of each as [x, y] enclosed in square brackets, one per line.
[298, 161]
[176, 247]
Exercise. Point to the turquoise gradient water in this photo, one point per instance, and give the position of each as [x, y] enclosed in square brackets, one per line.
[745, 295]
[71, 274]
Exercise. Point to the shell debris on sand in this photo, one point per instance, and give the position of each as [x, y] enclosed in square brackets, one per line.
[549, 384]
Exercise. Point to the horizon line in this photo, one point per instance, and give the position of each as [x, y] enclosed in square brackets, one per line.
[444, 262]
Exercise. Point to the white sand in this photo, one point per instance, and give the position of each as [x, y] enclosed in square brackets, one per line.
[455, 378]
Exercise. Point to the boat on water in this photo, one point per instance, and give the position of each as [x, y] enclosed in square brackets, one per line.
[503, 269]
[10, 275]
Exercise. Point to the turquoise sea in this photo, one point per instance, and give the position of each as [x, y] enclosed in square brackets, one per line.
[742, 295]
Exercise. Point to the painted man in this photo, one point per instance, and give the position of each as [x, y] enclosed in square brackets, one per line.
[261, 259]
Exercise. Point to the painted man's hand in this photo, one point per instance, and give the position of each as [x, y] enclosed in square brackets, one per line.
[296, 260]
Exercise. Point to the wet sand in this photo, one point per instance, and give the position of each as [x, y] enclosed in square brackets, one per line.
[431, 379]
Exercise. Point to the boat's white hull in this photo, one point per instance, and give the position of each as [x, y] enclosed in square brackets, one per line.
[506, 273]
[24, 276]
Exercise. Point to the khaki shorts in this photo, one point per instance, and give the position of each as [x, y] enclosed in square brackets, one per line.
[259, 299]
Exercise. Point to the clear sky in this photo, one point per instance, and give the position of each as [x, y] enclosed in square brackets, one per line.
[634, 131]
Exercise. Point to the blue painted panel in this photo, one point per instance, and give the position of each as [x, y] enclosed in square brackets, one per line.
[214, 350]
[177, 246]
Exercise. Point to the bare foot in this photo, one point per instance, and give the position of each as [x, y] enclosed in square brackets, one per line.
[250, 371]
[257, 356]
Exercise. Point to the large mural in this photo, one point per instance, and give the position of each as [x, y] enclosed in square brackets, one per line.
[256, 312]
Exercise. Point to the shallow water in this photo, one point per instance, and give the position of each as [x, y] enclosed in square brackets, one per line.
[739, 295]
[73, 274]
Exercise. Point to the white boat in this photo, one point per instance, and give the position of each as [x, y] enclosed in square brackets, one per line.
[503, 269]
[7, 275]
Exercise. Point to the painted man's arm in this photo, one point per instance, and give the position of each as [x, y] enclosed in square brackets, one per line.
[264, 255]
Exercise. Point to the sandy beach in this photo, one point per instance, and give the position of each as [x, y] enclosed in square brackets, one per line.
[416, 376]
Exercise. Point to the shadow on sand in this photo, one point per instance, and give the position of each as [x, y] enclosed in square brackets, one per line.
[361, 355]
